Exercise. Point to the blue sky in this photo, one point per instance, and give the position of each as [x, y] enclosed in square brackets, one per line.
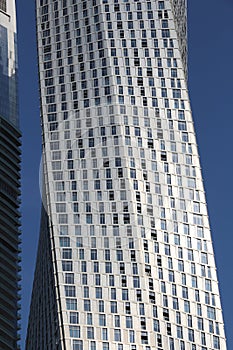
[210, 84]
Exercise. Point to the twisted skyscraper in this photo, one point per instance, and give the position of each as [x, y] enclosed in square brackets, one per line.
[125, 258]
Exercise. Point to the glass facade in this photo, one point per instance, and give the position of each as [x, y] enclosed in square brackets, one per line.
[130, 252]
[9, 182]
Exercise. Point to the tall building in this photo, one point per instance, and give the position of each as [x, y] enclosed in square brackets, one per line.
[125, 258]
[9, 180]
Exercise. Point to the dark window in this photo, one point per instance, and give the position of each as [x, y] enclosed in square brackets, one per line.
[3, 6]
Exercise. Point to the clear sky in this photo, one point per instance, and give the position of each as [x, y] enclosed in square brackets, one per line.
[210, 85]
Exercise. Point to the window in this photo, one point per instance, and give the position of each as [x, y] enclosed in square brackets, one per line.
[182, 125]
[136, 282]
[161, 5]
[167, 249]
[98, 292]
[203, 339]
[204, 258]
[71, 304]
[74, 317]
[89, 218]
[197, 219]
[93, 345]
[131, 336]
[171, 276]
[117, 334]
[178, 317]
[185, 292]
[181, 265]
[67, 265]
[108, 267]
[179, 332]
[187, 306]
[144, 337]
[93, 254]
[69, 278]
[75, 331]
[216, 342]
[113, 293]
[200, 323]
[87, 305]
[165, 33]
[175, 303]
[101, 306]
[191, 335]
[3, 7]
[171, 341]
[190, 254]
[97, 280]
[125, 294]
[129, 322]
[197, 295]
[194, 281]
[64, 241]
[156, 325]
[78, 345]
[70, 291]
[117, 321]
[208, 285]
[119, 255]
[111, 280]
[90, 332]
[211, 313]
[174, 291]
[105, 345]
[113, 307]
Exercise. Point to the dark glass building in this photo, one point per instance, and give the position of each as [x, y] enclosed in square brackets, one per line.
[9, 180]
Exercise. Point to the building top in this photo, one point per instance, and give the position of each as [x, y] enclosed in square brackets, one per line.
[8, 63]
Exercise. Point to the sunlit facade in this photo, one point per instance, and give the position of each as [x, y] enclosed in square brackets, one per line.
[9, 180]
[125, 258]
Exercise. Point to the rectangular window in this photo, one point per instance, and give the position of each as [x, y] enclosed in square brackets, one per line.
[3, 5]
[78, 345]
[211, 313]
[71, 304]
[216, 342]
[161, 5]
[74, 317]
[102, 320]
[75, 331]
[90, 332]
[179, 332]
[182, 126]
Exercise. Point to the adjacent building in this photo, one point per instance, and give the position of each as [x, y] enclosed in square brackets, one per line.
[9, 180]
[125, 258]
